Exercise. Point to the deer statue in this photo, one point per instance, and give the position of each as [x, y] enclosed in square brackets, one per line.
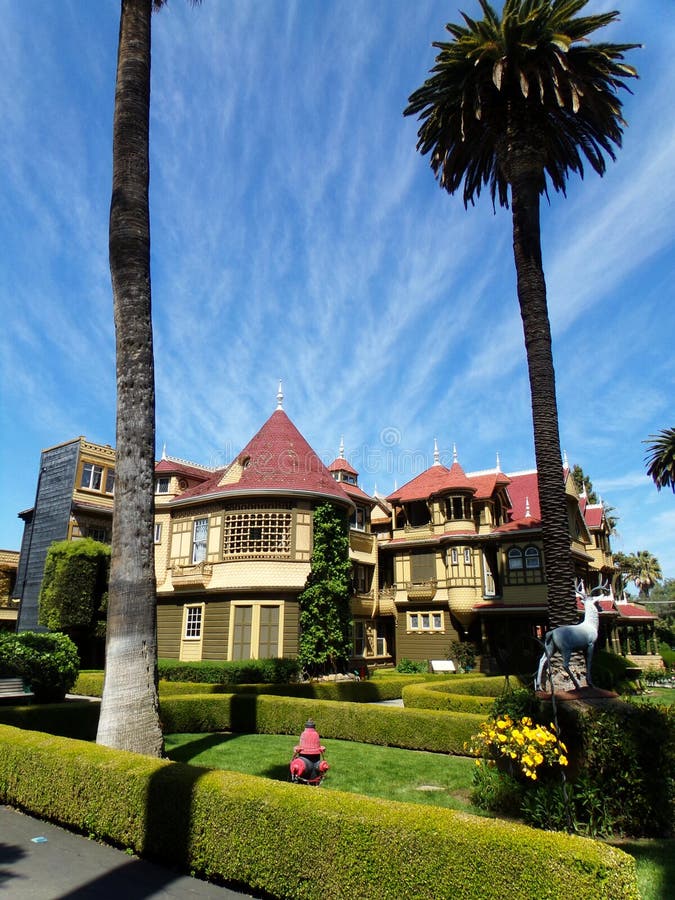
[565, 639]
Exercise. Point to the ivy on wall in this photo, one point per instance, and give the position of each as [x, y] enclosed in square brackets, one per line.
[325, 616]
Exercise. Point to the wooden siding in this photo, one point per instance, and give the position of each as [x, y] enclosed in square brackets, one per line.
[48, 523]
[431, 645]
[216, 626]
[169, 627]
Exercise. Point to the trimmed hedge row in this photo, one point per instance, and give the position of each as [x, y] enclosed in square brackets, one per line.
[443, 696]
[90, 684]
[294, 842]
[389, 726]
[273, 670]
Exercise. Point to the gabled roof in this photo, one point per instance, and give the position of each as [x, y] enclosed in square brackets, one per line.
[277, 459]
[487, 483]
[437, 479]
[355, 491]
[593, 515]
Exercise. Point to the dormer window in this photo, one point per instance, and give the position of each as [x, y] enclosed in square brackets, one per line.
[162, 485]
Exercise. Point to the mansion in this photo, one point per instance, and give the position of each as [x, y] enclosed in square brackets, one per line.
[449, 556]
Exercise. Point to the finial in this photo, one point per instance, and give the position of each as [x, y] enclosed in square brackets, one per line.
[528, 514]
[437, 455]
[164, 450]
[566, 463]
[499, 464]
[280, 397]
[454, 453]
[342, 447]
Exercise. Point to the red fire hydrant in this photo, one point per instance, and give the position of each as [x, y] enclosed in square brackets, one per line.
[308, 765]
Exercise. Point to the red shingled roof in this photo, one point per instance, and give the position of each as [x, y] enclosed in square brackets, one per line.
[437, 479]
[175, 467]
[524, 488]
[341, 465]
[276, 459]
[593, 515]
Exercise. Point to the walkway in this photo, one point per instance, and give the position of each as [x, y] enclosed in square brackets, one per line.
[39, 861]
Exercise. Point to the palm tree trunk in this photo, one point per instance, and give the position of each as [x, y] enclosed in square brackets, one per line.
[129, 709]
[536, 326]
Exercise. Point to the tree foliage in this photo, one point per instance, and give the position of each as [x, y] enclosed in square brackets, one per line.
[74, 588]
[642, 568]
[519, 102]
[661, 458]
[325, 617]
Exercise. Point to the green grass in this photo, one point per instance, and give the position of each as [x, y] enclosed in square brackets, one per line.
[665, 696]
[407, 775]
[655, 866]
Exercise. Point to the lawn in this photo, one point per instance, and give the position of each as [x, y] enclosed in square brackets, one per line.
[408, 775]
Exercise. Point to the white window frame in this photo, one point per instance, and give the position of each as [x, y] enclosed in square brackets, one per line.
[162, 485]
[199, 540]
[158, 532]
[92, 484]
[426, 621]
[467, 556]
[515, 553]
[193, 624]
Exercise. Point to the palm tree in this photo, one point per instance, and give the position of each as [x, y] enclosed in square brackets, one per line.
[661, 458]
[129, 716]
[646, 571]
[642, 568]
[516, 102]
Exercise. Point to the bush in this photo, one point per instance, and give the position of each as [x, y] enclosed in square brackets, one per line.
[261, 834]
[412, 667]
[609, 671]
[90, 684]
[249, 671]
[668, 656]
[389, 726]
[444, 696]
[47, 662]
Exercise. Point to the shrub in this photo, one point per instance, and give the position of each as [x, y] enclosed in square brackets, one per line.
[628, 757]
[389, 726]
[412, 667]
[444, 696]
[48, 662]
[609, 671]
[261, 834]
[249, 671]
[522, 744]
[464, 654]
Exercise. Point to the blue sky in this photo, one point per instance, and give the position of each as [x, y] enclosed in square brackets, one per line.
[297, 234]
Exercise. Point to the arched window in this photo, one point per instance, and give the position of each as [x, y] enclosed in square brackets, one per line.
[532, 559]
[515, 558]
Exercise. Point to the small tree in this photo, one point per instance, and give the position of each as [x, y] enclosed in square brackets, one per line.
[325, 617]
[74, 593]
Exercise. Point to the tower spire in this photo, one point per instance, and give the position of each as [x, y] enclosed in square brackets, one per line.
[437, 455]
[342, 447]
[280, 397]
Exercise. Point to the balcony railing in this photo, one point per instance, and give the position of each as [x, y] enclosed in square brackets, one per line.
[421, 590]
[192, 576]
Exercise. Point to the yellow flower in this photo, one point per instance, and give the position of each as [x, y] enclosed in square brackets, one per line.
[562, 760]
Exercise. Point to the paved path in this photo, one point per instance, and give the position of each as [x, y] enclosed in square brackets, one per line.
[67, 866]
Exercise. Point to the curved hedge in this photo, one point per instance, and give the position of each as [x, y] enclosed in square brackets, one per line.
[293, 842]
[389, 726]
[443, 696]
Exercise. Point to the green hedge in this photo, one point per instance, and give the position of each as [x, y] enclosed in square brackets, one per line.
[389, 726]
[293, 842]
[443, 696]
[247, 671]
[90, 684]
[47, 661]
